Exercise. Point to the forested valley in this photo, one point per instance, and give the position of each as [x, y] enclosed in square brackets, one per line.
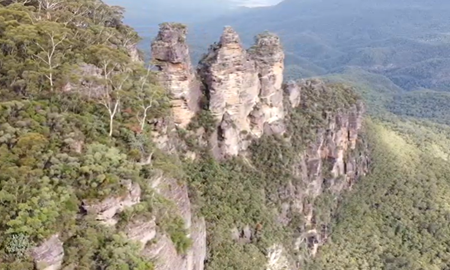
[94, 174]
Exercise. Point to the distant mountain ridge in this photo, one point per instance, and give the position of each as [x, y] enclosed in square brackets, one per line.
[389, 38]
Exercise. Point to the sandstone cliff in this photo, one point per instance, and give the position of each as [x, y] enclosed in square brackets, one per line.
[329, 165]
[244, 92]
[171, 54]
[243, 89]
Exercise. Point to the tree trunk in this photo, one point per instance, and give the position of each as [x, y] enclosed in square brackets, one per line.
[111, 122]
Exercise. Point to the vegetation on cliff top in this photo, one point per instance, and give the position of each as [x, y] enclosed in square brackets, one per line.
[397, 216]
[242, 194]
[73, 125]
[74, 107]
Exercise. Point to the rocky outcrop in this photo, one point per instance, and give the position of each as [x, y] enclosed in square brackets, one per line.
[133, 52]
[244, 90]
[276, 259]
[170, 53]
[197, 253]
[108, 208]
[164, 251]
[269, 57]
[141, 231]
[49, 255]
[292, 90]
[244, 93]
[232, 87]
[329, 165]
[165, 255]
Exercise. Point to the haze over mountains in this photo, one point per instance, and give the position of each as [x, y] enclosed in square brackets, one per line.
[111, 162]
[145, 15]
[396, 54]
[408, 41]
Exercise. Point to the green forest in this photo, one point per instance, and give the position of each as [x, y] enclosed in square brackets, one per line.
[52, 53]
[396, 217]
[76, 110]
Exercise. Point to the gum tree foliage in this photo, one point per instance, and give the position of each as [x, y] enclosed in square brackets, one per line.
[59, 145]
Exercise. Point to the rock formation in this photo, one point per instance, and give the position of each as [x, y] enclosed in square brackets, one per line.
[331, 163]
[170, 53]
[232, 88]
[141, 230]
[245, 95]
[243, 88]
[163, 251]
[244, 92]
[108, 208]
[49, 255]
[269, 57]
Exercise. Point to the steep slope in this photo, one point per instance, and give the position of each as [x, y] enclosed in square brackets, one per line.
[107, 164]
[284, 158]
[401, 206]
[77, 190]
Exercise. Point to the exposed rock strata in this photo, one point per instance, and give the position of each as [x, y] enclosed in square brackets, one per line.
[269, 57]
[170, 53]
[163, 251]
[245, 95]
[108, 208]
[141, 231]
[49, 255]
[331, 163]
[244, 90]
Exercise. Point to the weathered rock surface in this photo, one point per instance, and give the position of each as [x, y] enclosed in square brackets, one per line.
[331, 163]
[269, 57]
[276, 259]
[49, 255]
[133, 52]
[292, 90]
[244, 90]
[141, 230]
[171, 54]
[166, 257]
[197, 253]
[108, 208]
[232, 86]
[164, 252]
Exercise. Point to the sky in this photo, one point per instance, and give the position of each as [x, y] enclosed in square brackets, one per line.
[255, 3]
[247, 3]
[145, 15]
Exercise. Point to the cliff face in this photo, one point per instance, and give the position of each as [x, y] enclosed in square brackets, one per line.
[171, 54]
[164, 251]
[244, 92]
[243, 89]
[330, 164]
